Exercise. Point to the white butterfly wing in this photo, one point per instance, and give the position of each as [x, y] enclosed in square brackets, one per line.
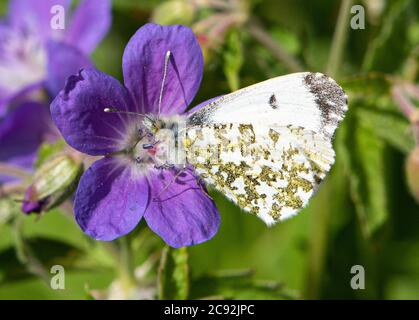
[309, 100]
[267, 147]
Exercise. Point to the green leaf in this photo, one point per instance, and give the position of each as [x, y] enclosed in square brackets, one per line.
[289, 40]
[392, 39]
[45, 252]
[233, 59]
[390, 127]
[137, 5]
[371, 100]
[173, 274]
[367, 175]
[372, 83]
[75, 284]
[48, 150]
[237, 284]
[51, 226]
[3, 8]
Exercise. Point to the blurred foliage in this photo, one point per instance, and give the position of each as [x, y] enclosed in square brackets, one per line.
[173, 274]
[363, 213]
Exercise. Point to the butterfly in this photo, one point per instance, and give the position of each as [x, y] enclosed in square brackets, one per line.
[267, 147]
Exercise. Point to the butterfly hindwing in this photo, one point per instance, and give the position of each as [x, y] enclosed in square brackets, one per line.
[270, 172]
[267, 147]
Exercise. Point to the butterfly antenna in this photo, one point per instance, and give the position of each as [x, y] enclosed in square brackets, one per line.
[113, 110]
[166, 64]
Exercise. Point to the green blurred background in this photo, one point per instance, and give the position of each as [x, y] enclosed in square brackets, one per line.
[365, 213]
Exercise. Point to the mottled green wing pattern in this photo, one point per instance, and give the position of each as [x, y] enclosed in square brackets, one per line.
[269, 172]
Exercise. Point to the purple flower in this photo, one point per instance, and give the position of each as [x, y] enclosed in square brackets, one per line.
[34, 56]
[125, 185]
[21, 133]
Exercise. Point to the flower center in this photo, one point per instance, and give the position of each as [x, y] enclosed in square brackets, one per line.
[158, 143]
[145, 149]
[22, 60]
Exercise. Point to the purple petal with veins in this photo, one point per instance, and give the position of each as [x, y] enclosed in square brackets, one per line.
[136, 178]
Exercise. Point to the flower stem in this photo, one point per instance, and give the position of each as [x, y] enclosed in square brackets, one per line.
[318, 242]
[273, 46]
[121, 254]
[126, 256]
[339, 38]
[25, 254]
[323, 206]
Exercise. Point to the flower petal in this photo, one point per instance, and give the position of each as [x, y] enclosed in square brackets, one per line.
[21, 133]
[89, 24]
[63, 61]
[35, 16]
[143, 66]
[22, 63]
[78, 112]
[4, 100]
[10, 99]
[109, 201]
[181, 214]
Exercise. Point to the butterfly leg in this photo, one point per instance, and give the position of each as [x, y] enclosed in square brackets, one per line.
[168, 184]
[201, 185]
[199, 180]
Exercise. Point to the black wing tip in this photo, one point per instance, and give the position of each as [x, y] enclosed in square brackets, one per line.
[326, 88]
[330, 98]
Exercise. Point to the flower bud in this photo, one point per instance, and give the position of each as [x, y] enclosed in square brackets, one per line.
[53, 182]
[412, 173]
[174, 12]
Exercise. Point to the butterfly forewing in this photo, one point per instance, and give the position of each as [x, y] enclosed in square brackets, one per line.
[309, 100]
[267, 147]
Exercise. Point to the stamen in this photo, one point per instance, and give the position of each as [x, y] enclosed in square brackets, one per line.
[166, 64]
